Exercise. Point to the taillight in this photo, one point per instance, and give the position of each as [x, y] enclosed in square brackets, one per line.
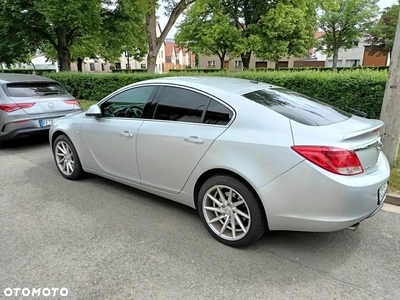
[336, 160]
[14, 107]
[72, 102]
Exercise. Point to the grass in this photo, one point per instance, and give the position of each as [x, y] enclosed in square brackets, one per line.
[85, 104]
[394, 186]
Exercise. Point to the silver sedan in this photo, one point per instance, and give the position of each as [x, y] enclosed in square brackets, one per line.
[248, 156]
[29, 104]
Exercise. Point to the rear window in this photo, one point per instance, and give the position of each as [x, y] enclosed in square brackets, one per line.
[297, 107]
[35, 89]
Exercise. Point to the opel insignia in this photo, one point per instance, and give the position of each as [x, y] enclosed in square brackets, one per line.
[248, 156]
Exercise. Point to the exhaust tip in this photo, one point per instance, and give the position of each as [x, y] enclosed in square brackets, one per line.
[354, 227]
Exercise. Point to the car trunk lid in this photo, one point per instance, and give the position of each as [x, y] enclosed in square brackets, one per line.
[356, 134]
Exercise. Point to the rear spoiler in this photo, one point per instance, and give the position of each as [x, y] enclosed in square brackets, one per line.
[371, 129]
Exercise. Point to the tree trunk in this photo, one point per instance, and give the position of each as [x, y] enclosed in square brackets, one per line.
[335, 59]
[222, 60]
[391, 104]
[64, 56]
[246, 60]
[151, 63]
[152, 41]
[79, 63]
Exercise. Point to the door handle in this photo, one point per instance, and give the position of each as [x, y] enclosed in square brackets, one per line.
[194, 140]
[126, 134]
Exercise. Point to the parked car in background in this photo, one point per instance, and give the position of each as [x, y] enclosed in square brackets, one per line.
[29, 104]
[248, 156]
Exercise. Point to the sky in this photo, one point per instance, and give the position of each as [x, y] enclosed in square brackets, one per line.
[163, 19]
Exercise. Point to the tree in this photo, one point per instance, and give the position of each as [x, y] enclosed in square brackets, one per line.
[382, 35]
[174, 10]
[13, 48]
[62, 25]
[272, 29]
[344, 22]
[208, 30]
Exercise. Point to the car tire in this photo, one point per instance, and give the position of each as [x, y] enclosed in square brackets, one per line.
[70, 168]
[223, 198]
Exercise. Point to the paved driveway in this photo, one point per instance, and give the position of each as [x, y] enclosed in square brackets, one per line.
[103, 240]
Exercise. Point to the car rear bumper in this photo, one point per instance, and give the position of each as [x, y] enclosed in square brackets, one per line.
[308, 198]
[22, 128]
[23, 132]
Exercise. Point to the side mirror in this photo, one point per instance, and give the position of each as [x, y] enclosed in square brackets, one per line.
[94, 111]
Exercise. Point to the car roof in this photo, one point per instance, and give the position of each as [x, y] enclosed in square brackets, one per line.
[14, 77]
[226, 84]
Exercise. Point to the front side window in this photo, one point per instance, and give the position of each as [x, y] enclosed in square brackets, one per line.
[128, 104]
[211, 63]
[177, 104]
[92, 68]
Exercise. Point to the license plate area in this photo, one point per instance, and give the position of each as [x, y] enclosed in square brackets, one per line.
[46, 122]
[382, 193]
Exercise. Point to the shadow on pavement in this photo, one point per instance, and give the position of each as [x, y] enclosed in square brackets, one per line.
[26, 143]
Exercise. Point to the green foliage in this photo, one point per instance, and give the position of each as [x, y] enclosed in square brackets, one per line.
[129, 71]
[96, 86]
[196, 70]
[30, 71]
[344, 22]
[66, 30]
[359, 89]
[380, 68]
[272, 29]
[207, 29]
[383, 33]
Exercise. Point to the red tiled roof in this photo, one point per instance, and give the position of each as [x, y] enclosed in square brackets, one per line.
[169, 48]
[318, 34]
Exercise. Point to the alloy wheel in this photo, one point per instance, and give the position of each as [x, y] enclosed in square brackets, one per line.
[226, 212]
[64, 158]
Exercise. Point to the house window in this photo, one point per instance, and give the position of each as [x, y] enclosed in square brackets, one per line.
[143, 66]
[118, 66]
[162, 54]
[102, 67]
[352, 63]
[92, 68]
[211, 63]
[238, 63]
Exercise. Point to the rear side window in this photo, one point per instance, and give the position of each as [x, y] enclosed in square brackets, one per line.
[217, 114]
[35, 89]
[297, 107]
[177, 104]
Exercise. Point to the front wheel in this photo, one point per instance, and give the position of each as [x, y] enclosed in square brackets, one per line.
[231, 211]
[66, 158]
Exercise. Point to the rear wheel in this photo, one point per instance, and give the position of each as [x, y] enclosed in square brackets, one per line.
[231, 211]
[66, 158]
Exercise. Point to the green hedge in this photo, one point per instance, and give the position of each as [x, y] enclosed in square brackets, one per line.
[381, 68]
[129, 71]
[196, 70]
[28, 71]
[359, 89]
